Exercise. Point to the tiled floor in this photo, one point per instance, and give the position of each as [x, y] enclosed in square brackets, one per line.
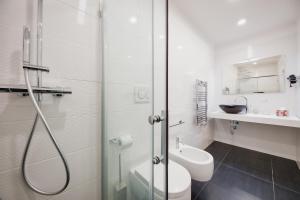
[242, 174]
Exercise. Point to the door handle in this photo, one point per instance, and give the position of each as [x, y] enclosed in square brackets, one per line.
[156, 160]
[155, 119]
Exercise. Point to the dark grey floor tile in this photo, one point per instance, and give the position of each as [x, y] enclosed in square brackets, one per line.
[230, 184]
[218, 150]
[283, 194]
[251, 162]
[197, 187]
[286, 173]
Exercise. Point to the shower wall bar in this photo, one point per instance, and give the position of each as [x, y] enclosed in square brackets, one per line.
[36, 67]
[22, 89]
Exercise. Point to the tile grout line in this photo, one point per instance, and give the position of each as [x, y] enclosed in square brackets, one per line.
[217, 168]
[273, 182]
[248, 174]
[286, 188]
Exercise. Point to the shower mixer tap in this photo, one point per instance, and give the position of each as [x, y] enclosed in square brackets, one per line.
[39, 115]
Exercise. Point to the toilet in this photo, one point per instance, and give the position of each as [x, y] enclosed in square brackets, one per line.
[179, 181]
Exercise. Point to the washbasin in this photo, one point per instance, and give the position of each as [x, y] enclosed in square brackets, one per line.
[233, 109]
[198, 162]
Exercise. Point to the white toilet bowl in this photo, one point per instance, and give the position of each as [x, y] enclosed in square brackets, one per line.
[199, 163]
[179, 181]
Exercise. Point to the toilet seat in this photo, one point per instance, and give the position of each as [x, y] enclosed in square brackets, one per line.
[179, 178]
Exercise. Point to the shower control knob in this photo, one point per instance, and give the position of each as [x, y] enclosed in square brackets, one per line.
[155, 119]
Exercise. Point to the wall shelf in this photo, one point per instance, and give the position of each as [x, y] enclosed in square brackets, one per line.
[21, 89]
[291, 121]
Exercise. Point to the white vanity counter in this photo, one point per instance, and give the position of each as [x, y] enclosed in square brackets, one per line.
[291, 121]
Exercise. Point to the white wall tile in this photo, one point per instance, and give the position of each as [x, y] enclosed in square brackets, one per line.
[298, 92]
[72, 50]
[191, 58]
[298, 49]
[88, 190]
[13, 188]
[89, 6]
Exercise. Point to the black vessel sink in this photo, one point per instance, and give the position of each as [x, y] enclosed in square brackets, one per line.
[233, 109]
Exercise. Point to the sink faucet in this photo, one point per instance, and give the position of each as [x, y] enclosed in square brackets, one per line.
[177, 142]
[246, 101]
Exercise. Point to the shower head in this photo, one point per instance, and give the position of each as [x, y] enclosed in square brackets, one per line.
[26, 45]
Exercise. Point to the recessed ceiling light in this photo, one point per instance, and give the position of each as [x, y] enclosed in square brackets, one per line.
[161, 36]
[233, 1]
[241, 22]
[179, 47]
[133, 20]
[255, 63]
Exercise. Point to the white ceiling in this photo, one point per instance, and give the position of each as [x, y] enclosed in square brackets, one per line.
[217, 19]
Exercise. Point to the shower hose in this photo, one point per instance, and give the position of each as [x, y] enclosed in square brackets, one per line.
[40, 115]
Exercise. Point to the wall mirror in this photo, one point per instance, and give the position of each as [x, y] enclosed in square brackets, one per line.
[257, 75]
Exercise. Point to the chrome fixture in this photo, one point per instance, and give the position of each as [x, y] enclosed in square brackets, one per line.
[293, 79]
[246, 101]
[178, 141]
[23, 91]
[39, 115]
[156, 160]
[233, 126]
[201, 102]
[177, 124]
[35, 67]
[155, 119]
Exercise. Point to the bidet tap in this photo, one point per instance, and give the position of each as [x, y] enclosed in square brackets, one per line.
[177, 142]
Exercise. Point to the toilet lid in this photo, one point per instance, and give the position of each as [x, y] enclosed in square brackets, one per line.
[179, 178]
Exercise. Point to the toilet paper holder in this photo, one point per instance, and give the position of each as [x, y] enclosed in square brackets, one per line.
[115, 141]
[123, 142]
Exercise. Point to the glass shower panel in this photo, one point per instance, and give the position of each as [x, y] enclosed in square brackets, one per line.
[70, 43]
[133, 76]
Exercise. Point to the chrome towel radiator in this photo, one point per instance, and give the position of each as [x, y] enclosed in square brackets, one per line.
[201, 103]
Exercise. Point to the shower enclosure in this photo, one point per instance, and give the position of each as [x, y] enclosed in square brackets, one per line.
[134, 96]
[92, 68]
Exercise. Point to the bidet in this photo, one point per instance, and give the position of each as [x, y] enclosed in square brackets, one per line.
[198, 162]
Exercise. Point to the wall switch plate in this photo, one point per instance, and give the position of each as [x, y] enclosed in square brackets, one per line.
[142, 94]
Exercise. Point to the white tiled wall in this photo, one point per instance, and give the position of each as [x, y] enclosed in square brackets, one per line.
[270, 139]
[298, 86]
[298, 92]
[71, 48]
[191, 57]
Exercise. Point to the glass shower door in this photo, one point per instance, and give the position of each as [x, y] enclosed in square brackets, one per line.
[134, 100]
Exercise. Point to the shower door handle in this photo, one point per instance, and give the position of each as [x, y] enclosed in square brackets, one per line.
[155, 119]
[163, 140]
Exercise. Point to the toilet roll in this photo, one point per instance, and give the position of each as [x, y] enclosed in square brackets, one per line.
[125, 141]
